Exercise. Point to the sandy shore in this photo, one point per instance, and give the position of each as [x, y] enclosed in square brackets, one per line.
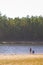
[23, 59]
[21, 56]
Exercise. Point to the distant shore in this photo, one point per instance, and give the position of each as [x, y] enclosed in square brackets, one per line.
[22, 43]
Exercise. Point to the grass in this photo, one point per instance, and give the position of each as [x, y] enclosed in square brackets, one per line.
[28, 61]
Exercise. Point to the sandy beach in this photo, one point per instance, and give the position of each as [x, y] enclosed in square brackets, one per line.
[20, 56]
[22, 59]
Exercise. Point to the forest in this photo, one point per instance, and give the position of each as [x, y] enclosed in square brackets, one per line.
[21, 29]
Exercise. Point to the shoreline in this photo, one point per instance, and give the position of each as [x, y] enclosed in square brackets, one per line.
[20, 56]
[21, 43]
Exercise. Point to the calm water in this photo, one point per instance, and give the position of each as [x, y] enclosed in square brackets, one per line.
[20, 49]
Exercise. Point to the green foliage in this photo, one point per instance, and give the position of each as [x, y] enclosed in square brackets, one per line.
[25, 28]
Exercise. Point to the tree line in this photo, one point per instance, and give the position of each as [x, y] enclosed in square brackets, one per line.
[21, 29]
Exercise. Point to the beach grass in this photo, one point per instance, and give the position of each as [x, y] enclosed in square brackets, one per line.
[25, 61]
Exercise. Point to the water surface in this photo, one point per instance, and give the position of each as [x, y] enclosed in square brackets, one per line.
[5, 49]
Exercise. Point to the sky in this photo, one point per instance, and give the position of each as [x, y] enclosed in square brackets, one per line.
[21, 8]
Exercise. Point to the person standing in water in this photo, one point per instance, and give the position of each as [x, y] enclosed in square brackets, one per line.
[33, 52]
[30, 50]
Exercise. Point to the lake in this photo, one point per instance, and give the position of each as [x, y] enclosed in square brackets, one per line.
[8, 49]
